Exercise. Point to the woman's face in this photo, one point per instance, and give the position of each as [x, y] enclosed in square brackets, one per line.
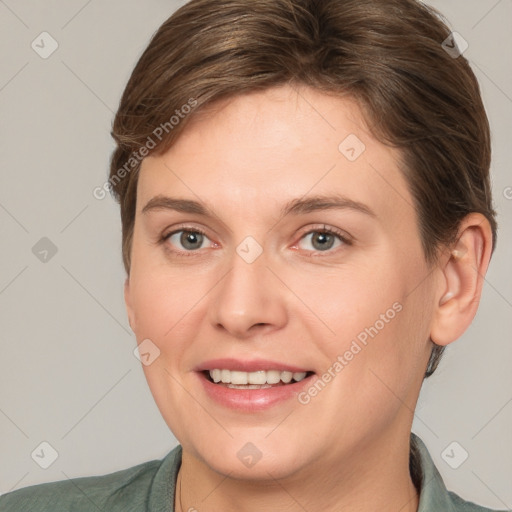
[269, 238]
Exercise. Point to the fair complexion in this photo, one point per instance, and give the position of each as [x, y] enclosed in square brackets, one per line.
[301, 302]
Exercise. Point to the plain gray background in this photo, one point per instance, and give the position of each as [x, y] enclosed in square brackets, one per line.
[68, 373]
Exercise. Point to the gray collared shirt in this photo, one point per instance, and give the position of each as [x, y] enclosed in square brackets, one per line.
[149, 487]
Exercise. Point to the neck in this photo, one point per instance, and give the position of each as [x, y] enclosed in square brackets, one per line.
[376, 477]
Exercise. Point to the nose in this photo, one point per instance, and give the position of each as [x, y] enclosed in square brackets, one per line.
[249, 299]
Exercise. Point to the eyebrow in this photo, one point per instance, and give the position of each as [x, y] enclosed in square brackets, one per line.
[294, 207]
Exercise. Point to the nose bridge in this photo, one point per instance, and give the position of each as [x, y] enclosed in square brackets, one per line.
[248, 294]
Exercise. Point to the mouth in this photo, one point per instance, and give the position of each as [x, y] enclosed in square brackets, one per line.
[252, 386]
[260, 379]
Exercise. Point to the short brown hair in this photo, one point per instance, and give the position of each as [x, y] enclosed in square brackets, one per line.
[385, 54]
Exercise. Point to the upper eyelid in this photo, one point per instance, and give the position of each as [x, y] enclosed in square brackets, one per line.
[324, 227]
[189, 229]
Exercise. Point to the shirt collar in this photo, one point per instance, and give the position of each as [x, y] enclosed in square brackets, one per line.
[433, 493]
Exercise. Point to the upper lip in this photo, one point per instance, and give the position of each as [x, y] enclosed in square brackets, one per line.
[253, 365]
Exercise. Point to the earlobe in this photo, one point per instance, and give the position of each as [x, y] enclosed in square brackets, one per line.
[463, 276]
[128, 303]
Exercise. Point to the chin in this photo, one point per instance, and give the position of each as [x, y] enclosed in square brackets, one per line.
[245, 460]
[261, 470]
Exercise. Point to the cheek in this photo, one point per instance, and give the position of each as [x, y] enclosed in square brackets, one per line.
[371, 324]
[350, 301]
[166, 305]
[163, 299]
[388, 371]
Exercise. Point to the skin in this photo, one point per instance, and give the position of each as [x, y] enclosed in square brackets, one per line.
[299, 302]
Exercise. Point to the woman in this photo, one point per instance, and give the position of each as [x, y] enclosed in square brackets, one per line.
[307, 221]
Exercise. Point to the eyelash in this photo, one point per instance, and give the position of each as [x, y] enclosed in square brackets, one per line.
[331, 231]
[189, 229]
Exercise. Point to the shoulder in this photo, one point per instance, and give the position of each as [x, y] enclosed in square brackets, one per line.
[83, 494]
[126, 490]
[460, 505]
[434, 496]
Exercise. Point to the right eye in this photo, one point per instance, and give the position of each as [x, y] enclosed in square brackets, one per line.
[190, 239]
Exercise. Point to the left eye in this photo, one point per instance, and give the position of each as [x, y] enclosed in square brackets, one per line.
[189, 240]
[323, 240]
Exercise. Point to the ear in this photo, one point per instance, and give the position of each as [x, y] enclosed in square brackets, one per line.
[463, 272]
[128, 303]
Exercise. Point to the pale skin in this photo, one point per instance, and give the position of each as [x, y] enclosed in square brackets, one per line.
[300, 302]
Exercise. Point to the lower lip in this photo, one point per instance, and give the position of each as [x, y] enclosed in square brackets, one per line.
[252, 400]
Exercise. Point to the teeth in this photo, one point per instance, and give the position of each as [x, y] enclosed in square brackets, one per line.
[287, 377]
[273, 377]
[258, 378]
[238, 377]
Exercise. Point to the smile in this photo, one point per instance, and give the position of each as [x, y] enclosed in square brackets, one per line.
[261, 379]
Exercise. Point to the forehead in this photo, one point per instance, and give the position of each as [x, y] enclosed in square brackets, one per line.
[263, 149]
